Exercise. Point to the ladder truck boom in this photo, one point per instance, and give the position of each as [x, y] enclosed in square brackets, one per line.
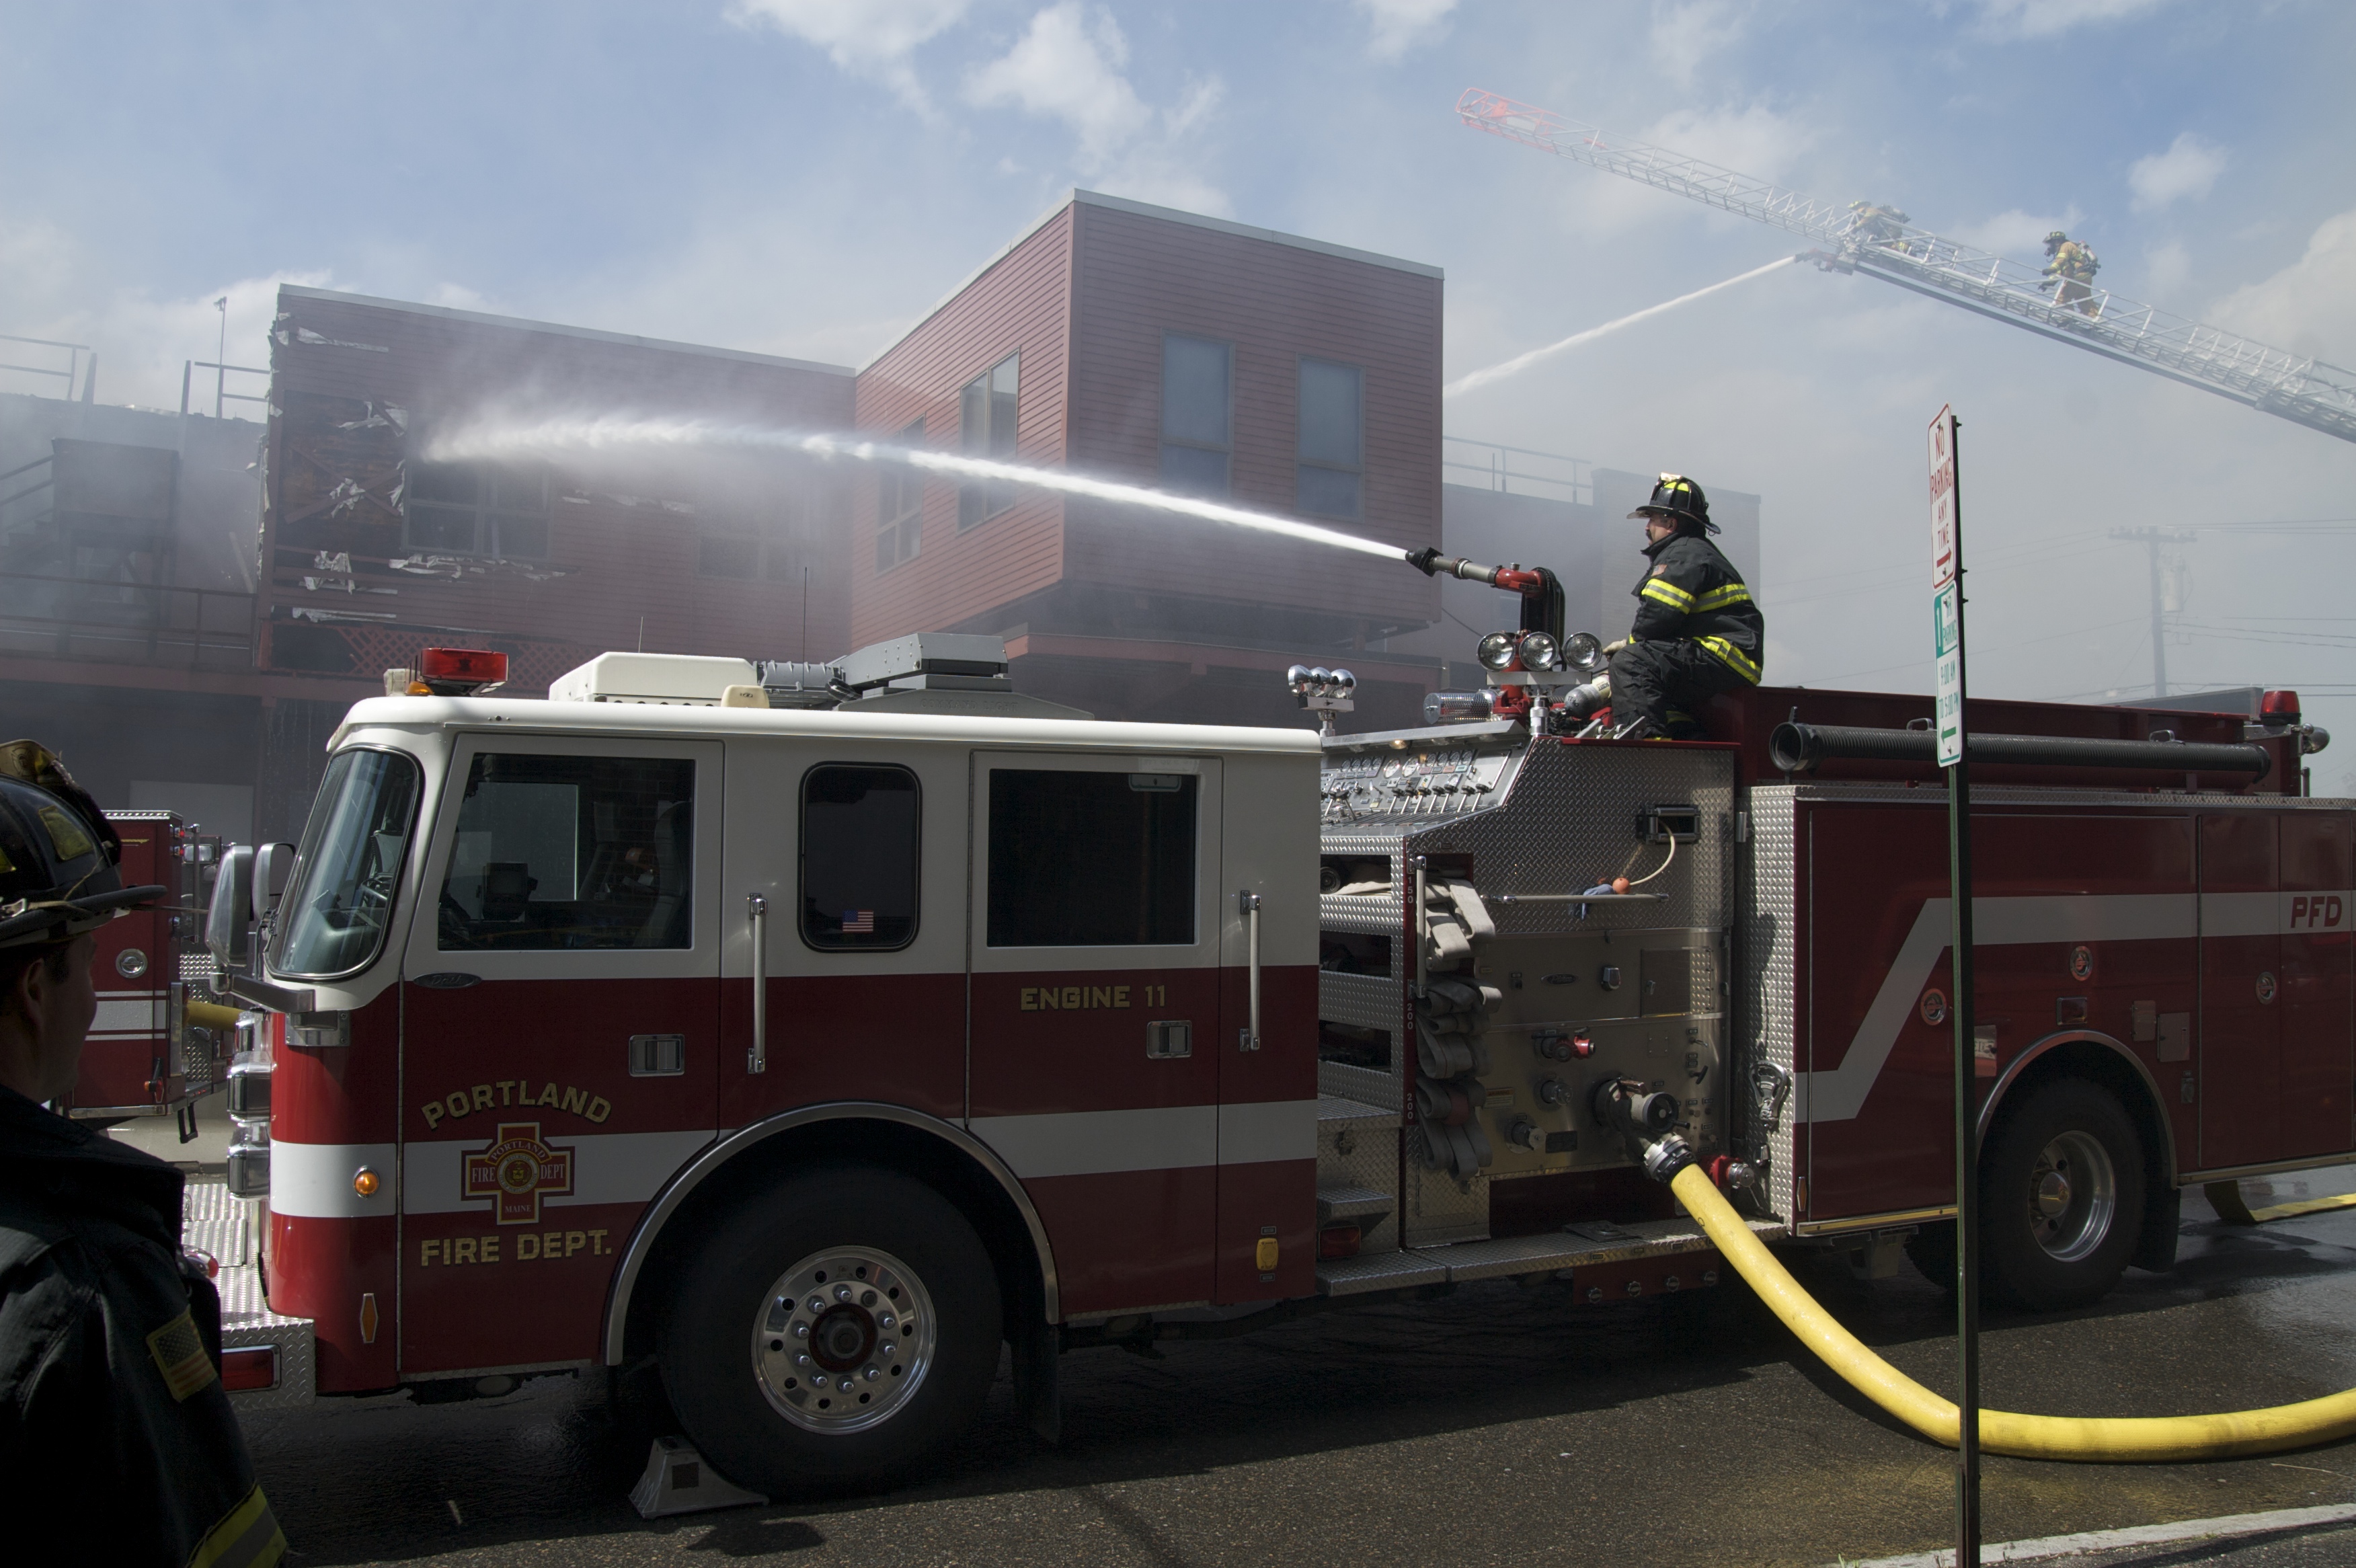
[2296, 387]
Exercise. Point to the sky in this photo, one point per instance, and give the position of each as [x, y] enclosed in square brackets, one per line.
[808, 177]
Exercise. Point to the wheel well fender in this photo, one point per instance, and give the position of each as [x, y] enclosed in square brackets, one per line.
[961, 1166]
[2103, 1060]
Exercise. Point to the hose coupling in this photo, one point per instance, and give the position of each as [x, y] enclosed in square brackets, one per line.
[1665, 1158]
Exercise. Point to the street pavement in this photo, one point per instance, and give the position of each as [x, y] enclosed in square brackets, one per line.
[1498, 1425]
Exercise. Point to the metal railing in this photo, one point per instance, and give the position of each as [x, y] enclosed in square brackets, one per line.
[221, 373]
[111, 621]
[74, 351]
[1486, 465]
[20, 487]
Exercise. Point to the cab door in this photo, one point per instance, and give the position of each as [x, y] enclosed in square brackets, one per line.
[1095, 1016]
[2318, 982]
[2241, 965]
[559, 1034]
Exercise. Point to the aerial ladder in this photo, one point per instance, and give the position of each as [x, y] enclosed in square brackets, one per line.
[1872, 241]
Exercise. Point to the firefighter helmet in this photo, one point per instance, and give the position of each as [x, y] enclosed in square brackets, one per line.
[58, 852]
[1679, 497]
[2056, 240]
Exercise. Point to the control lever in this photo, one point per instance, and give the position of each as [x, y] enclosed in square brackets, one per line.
[1771, 1086]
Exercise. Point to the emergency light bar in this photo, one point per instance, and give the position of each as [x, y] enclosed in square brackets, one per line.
[457, 672]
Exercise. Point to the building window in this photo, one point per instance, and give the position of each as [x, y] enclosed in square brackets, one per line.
[1330, 473]
[1198, 437]
[899, 505]
[476, 509]
[986, 424]
[1085, 859]
[859, 830]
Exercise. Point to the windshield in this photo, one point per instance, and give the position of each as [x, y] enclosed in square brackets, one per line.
[333, 919]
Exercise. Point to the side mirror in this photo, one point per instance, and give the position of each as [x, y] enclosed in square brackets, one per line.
[274, 864]
[229, 919]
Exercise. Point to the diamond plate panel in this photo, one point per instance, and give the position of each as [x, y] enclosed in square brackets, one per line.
[1358, 1146]
[1441, 1208]
[1382, 1271]
[1766, 975]
[1382, 1090]
[1364, 1000]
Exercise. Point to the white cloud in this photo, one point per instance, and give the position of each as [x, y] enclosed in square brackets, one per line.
[2189, 168]
[2045, 18]
[864, 37]
[1398, 25]
[2310, 307]
[1686, 33]
[1067, 66]
[2014, 233]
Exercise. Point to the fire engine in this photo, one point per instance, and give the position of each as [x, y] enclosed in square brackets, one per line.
[804, 1033]
[160, 1040]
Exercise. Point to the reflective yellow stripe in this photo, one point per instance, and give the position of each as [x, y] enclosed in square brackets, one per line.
[1668, 594]
[1718, 598]
[248, 1537]
[1731, 657]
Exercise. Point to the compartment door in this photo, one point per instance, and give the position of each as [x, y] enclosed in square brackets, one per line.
[1096, 1017]
[2241, 975]
[2318, 982]
[559, 1034]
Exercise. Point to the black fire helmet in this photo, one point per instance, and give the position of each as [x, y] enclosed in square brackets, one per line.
[58, 853]
[1679, 497]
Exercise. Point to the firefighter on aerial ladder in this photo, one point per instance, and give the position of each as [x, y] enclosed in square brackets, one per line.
[2070, 268]
[1697, 631]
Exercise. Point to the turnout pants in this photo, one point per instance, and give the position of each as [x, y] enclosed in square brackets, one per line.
[1651, 680]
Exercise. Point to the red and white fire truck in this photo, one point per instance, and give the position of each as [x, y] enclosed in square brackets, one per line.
[804, 1032]
[160, 1040]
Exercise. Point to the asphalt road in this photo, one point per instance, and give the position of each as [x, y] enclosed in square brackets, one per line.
[1498, 1425]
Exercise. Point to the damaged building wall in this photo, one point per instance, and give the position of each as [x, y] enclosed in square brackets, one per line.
[373, 550]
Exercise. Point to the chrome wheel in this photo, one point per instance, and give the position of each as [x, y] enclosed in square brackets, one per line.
[2073, 1196]
[842, 1339]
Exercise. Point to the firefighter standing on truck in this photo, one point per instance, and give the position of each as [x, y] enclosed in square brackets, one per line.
[1696, 633]
[117, 1443]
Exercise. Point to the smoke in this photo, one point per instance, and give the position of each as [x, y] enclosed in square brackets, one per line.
[494, 438]
[1464, 384]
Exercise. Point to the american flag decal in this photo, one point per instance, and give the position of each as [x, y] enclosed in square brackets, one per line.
[855, 922]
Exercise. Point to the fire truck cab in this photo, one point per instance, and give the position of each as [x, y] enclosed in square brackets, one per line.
[813, 1051]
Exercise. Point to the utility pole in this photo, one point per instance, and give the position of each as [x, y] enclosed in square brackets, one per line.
[220, 357]
[2151, 539]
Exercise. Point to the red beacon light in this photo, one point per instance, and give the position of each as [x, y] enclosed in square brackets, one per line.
[457, 672]
[2278, 709]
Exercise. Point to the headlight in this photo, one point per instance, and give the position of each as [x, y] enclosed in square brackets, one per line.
[1497, 649]
[1540, 651]
[1583, 652]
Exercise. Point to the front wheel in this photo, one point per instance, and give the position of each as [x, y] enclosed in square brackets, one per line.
[833, 1331]
[2061, 1186]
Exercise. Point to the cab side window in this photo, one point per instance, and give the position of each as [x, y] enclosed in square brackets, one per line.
[1091, 859]
[571, 853]
[859, 857]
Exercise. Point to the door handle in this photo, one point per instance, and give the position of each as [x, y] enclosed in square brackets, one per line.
[757, 908]
[1248, 902]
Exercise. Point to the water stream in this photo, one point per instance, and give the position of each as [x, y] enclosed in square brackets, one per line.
[1520, 362]
[493, 437]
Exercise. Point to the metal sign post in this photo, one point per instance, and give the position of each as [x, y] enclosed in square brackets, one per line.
[1947, 642]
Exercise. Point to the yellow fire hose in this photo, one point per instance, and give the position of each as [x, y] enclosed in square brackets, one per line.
[2133, 1440]
[2226, 1197]
[212, 1015]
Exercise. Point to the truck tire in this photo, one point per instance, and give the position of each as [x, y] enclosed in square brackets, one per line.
[2061, 1195]
[832, 1332]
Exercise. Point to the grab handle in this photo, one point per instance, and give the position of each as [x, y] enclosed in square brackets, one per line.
[1248, 902]
[757, 1059]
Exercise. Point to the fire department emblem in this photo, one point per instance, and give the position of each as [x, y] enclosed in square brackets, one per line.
[517, 1171]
